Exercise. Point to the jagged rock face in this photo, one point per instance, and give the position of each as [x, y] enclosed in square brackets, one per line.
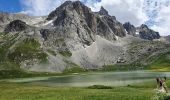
[75, 19]
[103, 11]
[74, 22]
[115, 26]
[16, 26]
[77, 29]
[56, 41]
[146, 33]
[108, 27]
[131, 30]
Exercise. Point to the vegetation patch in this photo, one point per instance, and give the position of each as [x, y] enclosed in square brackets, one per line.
[160, 62]
[75, 69]
[66, 53]
[6, 41]
[18, 73]
[52, 52]
[29, 49]
[123, 67]
[99, 87]
[9, 66]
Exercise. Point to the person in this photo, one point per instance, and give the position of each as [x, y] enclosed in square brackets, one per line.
[161, 85]
[164, 85]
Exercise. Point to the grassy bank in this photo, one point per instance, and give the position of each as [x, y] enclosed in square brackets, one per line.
[12, 91]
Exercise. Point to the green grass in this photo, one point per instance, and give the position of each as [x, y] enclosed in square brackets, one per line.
[26, 50]
[12, 91]
[161, 62]
[99, 87]
[122, 67]
[5, 43]
[18, 73]
[66, 53]
[74, 70]
[29, 49]
[52, 52]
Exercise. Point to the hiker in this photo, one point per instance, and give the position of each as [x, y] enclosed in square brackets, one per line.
[158, 83]
[161, 85]
[164, 85]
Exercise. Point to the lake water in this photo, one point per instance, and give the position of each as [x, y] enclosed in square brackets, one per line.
[103, 78]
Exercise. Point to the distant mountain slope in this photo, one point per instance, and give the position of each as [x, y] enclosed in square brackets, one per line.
[74, 36]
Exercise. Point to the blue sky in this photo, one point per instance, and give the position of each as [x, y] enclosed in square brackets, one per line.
[10, 6]
[14, 6]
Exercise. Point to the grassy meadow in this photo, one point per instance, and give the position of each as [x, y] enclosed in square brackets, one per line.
[13, 91]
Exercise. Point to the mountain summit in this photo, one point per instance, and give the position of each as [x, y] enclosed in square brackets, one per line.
[103, 11]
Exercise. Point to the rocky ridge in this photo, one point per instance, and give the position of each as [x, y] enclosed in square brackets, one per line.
[146, 33]
[16, 26]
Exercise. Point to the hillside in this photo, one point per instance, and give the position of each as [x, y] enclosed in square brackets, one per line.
[74, 36]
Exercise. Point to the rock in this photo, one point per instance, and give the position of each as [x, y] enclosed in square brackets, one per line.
[121, 60]
[77, 24]
[148, 34]
[116, 27]
[103, 11]
[16, 26]
[74, 22]
[45, 33]
[131, 30]
[167, 38]
[58, 10]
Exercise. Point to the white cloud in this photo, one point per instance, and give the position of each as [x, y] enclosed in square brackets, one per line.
[40, 7]
[124, 10]
[163, 21]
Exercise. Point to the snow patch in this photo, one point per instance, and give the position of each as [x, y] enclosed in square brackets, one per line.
[49, 22]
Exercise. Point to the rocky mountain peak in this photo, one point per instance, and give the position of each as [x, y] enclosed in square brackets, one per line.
[69, 6]
[103, 11]
[76, 23]
[143, 26]
[66, 3]
[129, 28]
[78, 3]
[58, 10]
[15, 26]
[146, 33]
